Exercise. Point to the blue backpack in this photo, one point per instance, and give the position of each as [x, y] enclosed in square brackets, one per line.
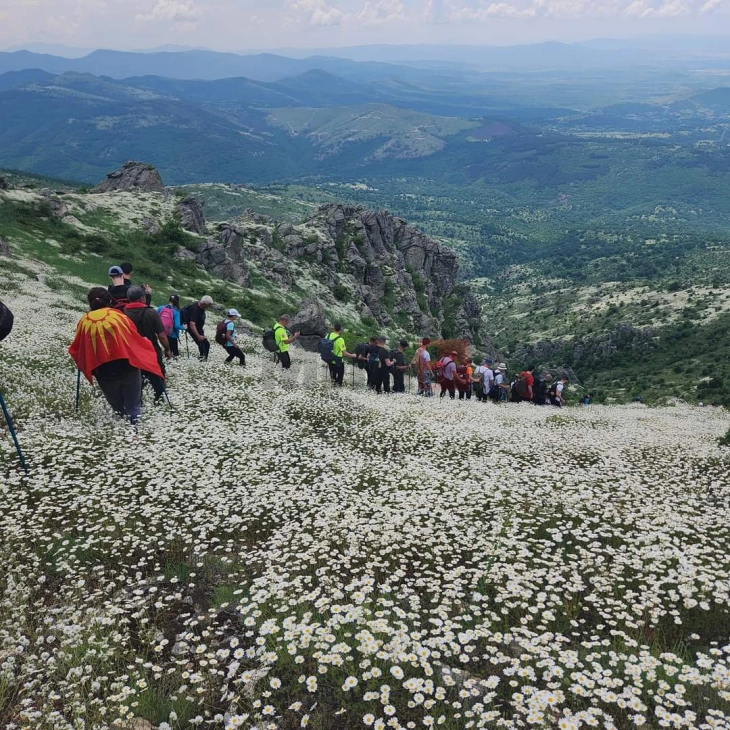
[327, 349]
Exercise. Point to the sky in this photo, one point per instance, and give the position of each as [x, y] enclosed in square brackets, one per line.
[242, 25]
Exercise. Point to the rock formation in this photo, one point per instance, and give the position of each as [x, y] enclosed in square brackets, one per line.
[132, 176]
[311, 321]
[190, 212]
[4, 184]
[374, 262]
[4, 247]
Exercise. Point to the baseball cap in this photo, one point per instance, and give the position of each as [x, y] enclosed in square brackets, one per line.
[233, 313]
[115, 271]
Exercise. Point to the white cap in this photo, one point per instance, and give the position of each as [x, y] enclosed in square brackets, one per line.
[233, 313]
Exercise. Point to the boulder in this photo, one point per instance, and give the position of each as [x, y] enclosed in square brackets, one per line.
[150, 226]
[57, 206]
[215, 258]
[4, 247]
[132, 176]
[310, 320]
[4, 184]
[190, 211]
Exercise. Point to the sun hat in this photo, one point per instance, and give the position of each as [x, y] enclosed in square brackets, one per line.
[233, 313]
[501, 366]
[115, 271]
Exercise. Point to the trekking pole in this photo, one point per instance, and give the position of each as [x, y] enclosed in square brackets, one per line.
[9, 421]
[187, 344]
[167, 398]
[78, 389]
[353, 374]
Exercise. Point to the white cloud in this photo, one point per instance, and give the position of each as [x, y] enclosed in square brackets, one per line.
[711, 6]
[318, 12]
[381, 12]
[175, 11]
[483, 13]
[670, 9]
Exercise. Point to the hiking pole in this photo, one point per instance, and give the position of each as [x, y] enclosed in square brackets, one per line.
[353, 374]
[9, 421]
[167, 398]
[187, 345]
[78, 389]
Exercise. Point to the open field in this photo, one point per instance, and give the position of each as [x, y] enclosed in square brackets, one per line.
[275, 555]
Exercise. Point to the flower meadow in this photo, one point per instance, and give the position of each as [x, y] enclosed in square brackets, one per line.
[276, 554]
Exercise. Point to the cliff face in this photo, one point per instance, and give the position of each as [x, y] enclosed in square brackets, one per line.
[383, 269]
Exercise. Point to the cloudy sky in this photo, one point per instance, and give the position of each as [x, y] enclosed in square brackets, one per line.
[254, 24]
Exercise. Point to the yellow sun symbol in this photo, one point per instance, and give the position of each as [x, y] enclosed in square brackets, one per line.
[103, 323]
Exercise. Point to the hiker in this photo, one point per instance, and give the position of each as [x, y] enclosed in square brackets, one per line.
[540, 389]
[372, 362]
[522, 386]
[170, 318]
[448, 375]
[6, 321]
[400, 367]
[556, 397]
[226, 336]
[150, 326]
[382, 362]
[422, 362]
[283, 339]
[128, 270]
[338, 351]
[118, 287]
[463, 380]
[483, 379]
[500, 388]
[108, 347]
[194, 317]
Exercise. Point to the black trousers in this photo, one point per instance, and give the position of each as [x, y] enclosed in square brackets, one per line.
[382, 380]
[234, 352]
[174, 346]
[203, 349]
[284, 359]
[337, 371]
[448, 385]
[399, 381]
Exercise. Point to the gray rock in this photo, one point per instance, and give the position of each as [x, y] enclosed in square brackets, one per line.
[150, 226]
[190, 211]
[4, 184]
[4, 247]
[310, 320]
[57, 206]
[132, 176]
[216, 259]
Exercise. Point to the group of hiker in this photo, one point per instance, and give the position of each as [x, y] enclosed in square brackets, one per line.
[123, 342]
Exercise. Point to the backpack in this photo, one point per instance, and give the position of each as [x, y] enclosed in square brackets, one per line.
[439, 366]
[119, 303]
[521, 387]
[374, 357]
[269, 339]
[185, 314]
[6, 321]
[220, 333]
[327, 349]
[167, 317]
[361, 352]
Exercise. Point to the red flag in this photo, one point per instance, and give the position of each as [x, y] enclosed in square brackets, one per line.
[105, 335]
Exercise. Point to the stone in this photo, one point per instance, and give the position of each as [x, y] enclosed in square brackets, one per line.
[4, 247]
[72, 220]
[150, 226]
[132, 176]
[310, 320]
[190, 212]
[4, 184]
[57, 206]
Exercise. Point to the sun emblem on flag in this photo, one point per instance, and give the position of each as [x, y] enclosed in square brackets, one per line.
[102, 324]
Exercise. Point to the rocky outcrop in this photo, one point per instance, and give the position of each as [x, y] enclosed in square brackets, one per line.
[132, 176]
[4, 184]
[4, 247]
[561, 355]
[311, 322]
[57, 206]
[190, 212]
[372, 262]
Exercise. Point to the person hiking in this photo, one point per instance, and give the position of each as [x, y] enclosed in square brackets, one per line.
[283, 339]
[400, 367]
[6, 321]
[372, 363]
[483, 379]
[118, 287]
[128, 271]
[540, 389]
[170, 318]
[382, 362]
[108, 347]
[227, 338]
[194, 317]
[557, 398]
[339, 353]
[501, 388]
[150, 326]
[522, 390]
[448, 375]
[424, 373]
